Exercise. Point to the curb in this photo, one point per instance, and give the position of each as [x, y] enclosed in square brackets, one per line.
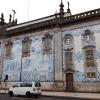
[70, 97]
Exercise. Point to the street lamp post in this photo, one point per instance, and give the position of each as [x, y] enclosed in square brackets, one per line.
[21, 68]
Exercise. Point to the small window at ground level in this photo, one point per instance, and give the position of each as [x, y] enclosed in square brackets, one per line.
[91, 74]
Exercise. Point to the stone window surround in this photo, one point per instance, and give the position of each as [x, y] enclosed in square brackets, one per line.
[88, 57]
[8, 48]
[26, 47]
[47, 39]
[87, 36]
[70, 63]
[68, 39]
[91, 74]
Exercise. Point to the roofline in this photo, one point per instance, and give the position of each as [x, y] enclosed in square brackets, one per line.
[32, 21]
[53, 22]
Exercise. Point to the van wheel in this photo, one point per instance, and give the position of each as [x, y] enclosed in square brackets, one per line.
[11, 93]
[28, 94]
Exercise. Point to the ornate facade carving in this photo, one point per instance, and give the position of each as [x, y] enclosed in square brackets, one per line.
[88, 39]
[68, 42]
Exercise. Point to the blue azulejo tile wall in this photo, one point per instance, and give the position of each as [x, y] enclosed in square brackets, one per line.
[36, 67]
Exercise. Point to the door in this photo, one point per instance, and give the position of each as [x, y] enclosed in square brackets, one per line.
[69, 81]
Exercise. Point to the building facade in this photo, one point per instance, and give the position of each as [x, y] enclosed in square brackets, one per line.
[62, 51]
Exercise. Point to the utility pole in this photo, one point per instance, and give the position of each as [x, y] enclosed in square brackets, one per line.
[28, 9]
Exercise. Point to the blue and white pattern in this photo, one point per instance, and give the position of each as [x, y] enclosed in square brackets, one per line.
[37, 67]
[78, 54]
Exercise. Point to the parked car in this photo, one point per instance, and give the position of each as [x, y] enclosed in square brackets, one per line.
[27, 89]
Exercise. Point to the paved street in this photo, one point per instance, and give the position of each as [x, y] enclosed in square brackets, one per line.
[6, 97]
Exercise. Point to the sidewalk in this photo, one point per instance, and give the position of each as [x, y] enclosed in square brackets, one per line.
[95, 96]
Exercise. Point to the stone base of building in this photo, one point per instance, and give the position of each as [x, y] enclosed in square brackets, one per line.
[87, 87]
[53, 86]
[61, 86]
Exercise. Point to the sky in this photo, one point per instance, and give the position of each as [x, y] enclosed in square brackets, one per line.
[27, 10]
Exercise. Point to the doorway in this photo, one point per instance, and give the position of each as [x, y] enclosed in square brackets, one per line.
[69, 81]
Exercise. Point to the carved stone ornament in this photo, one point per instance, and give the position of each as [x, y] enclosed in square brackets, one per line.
[69, 70]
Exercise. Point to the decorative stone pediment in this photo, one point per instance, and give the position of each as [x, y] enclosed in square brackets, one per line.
[69, 70]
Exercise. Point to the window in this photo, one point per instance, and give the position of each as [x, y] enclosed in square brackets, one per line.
[68, 58]
[91, 74]
[26, 85]
[88, 35]
[89, 57]
[68, 39]
[26, 47]
[8, 49]
[47, 44]
[37, 84]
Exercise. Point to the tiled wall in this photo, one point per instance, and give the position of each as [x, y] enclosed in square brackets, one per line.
[78, 55]
[37, 67]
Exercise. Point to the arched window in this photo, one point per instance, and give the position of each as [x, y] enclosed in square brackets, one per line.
[88, 36]
[26, 47]
[68, 39]
[47, 44]
[8, 49]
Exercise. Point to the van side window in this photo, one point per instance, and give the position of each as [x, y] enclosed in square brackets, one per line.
[37, 84]
[26, 85]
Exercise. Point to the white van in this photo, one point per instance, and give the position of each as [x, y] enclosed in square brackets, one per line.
[27, 89]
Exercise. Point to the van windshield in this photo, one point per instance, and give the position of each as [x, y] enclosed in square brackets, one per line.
[37, 84]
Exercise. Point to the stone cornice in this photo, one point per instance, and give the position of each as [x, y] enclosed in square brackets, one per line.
[51, 22]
